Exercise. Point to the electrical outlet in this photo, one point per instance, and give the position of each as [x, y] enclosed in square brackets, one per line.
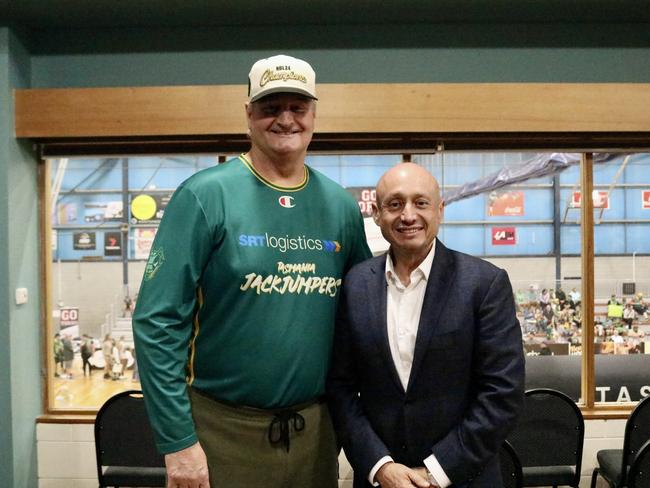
[21, 296]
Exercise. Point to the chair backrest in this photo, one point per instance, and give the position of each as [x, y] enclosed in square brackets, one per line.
[639, 475]
[511, 472]
[637, 431]
[123, 435]
[550, 431]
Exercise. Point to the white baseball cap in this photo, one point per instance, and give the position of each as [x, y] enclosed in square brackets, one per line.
[281, 74]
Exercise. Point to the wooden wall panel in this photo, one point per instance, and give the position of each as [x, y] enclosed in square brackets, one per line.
[485, 108]
[342, 108]
[151, 111]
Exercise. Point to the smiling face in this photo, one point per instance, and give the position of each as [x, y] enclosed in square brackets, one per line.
[409, 210]
[281, 125]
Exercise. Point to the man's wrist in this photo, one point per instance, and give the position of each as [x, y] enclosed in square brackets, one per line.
[432, 479]
[375, 469]
[433, 466]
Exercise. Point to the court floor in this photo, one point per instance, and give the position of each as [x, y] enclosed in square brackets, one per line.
[83, 392]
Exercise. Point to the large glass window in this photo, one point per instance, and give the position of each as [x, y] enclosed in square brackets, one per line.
[104, 216]
[519, 210]
[621, 197]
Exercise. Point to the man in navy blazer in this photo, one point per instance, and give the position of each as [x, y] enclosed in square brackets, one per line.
[427, 373]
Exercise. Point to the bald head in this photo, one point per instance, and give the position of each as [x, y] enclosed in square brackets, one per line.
[409, 211]
[404, 175]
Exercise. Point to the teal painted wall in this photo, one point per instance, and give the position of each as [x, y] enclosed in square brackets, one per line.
[20, 388]
[346, 54]
[6, 430]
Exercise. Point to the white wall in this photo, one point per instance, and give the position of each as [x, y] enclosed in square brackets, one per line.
[66, 454]
[609, 273]
[95, 287]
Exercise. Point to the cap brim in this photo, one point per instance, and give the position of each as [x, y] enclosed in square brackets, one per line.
[282, 89]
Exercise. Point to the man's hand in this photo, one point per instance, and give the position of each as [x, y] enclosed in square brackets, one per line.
[394, 475]
[187, 468]
[422, 471]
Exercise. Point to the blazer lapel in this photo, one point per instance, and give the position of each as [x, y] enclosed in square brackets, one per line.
[435, 298]
[377, 299]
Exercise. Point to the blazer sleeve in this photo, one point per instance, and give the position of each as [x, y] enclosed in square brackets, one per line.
[362, 446]
[498, 376]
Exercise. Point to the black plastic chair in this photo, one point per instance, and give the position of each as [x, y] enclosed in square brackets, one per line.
[124, 444]
[613, 464]
[548, 439]
[639, 475]
[511, 472]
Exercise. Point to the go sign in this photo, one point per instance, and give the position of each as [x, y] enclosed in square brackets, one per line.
[69, 316]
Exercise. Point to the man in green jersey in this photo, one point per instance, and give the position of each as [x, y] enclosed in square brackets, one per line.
[234, 320]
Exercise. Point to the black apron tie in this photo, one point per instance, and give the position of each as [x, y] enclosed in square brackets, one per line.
[279, 430]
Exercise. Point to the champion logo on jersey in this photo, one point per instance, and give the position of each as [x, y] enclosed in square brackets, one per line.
[286, 201]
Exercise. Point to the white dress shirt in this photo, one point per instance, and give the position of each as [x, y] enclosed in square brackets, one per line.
[403, 308]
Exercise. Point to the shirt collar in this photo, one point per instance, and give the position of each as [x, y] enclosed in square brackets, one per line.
[424, 267]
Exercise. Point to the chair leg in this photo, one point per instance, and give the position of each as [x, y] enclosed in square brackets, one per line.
[594, 477]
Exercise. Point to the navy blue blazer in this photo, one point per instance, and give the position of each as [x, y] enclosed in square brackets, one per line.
[467, 380]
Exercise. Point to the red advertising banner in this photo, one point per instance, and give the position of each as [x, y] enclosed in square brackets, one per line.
[600, 199]
[645, 199]
[365, 196]
[506, 203]
[504, 236]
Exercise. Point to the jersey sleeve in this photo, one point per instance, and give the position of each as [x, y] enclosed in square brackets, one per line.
[162, 321]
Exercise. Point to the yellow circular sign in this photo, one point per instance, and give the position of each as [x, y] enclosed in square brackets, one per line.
[143, 207]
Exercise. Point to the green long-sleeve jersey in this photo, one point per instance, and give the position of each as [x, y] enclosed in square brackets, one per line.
[239, 293]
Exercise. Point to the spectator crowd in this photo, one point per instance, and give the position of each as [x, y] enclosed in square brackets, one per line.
[552, 316]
